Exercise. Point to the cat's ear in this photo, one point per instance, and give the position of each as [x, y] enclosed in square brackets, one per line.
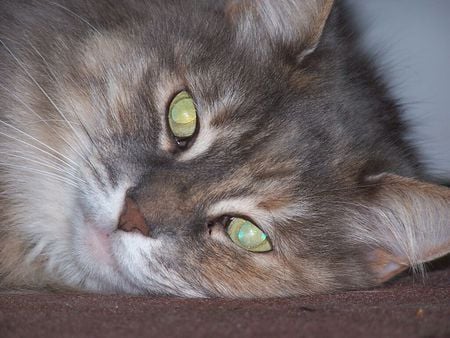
[298, 22]
[403, 223]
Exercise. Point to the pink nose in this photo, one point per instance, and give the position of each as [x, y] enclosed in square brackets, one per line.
[132, 219]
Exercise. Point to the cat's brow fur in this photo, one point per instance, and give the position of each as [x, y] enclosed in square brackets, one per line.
[295, 132]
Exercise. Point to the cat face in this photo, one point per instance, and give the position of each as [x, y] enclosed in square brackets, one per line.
[250, 157]
[271, 192]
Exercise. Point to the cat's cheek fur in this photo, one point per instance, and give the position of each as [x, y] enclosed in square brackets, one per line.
[147, 263]
[41, 221]
[99, 208]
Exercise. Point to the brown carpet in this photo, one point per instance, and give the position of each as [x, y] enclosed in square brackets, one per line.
[405, 308]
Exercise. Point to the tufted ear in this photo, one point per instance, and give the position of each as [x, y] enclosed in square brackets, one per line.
[281, 21]
[404, 223]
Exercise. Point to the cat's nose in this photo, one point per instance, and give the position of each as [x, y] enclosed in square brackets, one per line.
[132, 219]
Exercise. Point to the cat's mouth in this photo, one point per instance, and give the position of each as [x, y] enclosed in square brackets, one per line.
[99, 231]
[103, 252]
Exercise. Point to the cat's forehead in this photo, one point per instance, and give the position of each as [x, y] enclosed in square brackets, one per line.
[242, 107]
[234, 94]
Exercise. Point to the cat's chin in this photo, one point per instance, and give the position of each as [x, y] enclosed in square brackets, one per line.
[97, 252]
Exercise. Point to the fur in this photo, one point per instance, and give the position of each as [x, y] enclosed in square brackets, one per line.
[297, 132]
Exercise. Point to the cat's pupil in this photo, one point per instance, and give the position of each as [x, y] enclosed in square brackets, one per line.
[182, 143]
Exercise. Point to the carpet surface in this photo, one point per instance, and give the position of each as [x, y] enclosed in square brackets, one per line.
[407, 307]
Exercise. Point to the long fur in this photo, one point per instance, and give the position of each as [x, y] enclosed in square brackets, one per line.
[293, 121]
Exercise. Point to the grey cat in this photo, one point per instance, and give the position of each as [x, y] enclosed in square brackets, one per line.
[235, 148]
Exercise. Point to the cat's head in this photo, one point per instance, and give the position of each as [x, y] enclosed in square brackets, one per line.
[273, 186]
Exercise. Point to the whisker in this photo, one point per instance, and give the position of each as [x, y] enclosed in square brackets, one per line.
[45, 94]
[55, 166]
[74, 112]
[33, 155]
[65, 119]
[41, 143]
[30, 123]
[31, 110]
[75, 15]
[81, 143]
[48, 69]
[37, 148]
[44, 173]
[80, 123]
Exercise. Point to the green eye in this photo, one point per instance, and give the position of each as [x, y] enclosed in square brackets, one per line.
[183, 115]
[248, 236]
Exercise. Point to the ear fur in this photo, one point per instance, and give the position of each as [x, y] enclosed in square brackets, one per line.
[281, 21]
[404, 223]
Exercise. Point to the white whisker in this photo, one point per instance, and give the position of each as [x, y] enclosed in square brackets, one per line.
[41, 172]
[80, 123]
[48, 165]
[74, 112]
[34, 113]
[38, 157]
[31, 123]
[45, 94]
[40, 142]
[75, 15]
[49, 70]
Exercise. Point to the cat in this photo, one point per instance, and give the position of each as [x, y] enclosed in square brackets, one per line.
[201, 148]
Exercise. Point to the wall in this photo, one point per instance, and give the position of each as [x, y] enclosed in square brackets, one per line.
[411, 39]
